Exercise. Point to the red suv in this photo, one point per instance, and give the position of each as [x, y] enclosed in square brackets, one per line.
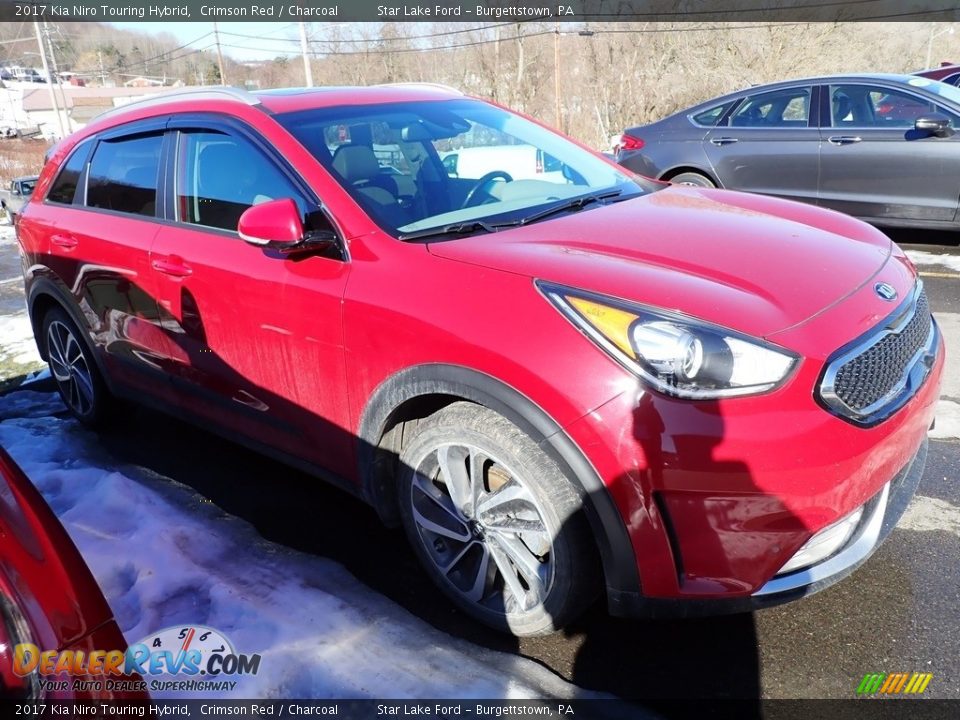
[699, 400]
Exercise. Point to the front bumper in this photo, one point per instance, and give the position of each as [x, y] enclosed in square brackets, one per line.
[881, 515]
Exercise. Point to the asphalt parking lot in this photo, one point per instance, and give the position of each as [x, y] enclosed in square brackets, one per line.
[897, 613]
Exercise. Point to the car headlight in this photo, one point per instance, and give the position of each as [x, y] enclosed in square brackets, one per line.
[677, 355]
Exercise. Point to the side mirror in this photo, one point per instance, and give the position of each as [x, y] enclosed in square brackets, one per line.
[933, 124]
[275, 224]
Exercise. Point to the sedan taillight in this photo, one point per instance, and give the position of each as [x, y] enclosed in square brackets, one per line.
[629, 142]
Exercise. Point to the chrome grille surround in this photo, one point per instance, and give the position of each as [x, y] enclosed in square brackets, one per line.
[868, 380]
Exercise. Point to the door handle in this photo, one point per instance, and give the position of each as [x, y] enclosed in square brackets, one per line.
[172, 265]
[843, 139]
[67, 242]
[724, 141]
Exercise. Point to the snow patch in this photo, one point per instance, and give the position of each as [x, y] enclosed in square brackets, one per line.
[948, 420]
[16, 339]
[164, 556]
[922, 257]
[926, 514]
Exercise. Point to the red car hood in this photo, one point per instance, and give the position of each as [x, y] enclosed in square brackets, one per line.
[753, 263]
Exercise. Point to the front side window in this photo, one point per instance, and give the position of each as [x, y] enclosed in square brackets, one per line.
[880, 107]
[219, 176]
[419, 166]
[123, 175]
[64, 188]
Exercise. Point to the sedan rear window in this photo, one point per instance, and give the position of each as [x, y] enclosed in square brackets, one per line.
[709, 118]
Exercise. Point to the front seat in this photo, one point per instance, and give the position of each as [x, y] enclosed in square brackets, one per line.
[841, 109]
[360, 169]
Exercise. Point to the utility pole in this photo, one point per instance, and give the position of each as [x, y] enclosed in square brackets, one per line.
[56, 74]
[46, 72]
[556, 77]
[103, 75]
[216, 39]
[304, 49]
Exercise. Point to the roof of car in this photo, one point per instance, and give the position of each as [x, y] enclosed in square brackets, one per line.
[817, 80]
[293, 99]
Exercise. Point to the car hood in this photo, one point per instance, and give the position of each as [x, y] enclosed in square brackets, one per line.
[752, 263]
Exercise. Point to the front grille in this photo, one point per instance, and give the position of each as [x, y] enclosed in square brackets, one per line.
[875, 374]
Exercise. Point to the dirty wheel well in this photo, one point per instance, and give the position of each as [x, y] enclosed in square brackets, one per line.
[400, 427]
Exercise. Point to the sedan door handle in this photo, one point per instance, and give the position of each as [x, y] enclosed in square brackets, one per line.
[172, 265]
[723, 140]
[67, 242]
[844, 139]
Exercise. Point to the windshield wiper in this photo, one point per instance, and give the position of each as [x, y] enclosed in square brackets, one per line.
[471, 226]
[574, 204]
[464, 228]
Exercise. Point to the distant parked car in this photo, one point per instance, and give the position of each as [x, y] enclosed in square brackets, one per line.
[873, 146]
[948, 73]
[48, 598]
[16, 195]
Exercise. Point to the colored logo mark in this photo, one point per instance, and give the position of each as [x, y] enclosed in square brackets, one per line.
[894, 683]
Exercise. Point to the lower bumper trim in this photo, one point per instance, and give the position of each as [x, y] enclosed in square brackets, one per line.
[881, 515]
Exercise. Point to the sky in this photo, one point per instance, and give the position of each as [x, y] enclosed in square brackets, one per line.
[268, 37]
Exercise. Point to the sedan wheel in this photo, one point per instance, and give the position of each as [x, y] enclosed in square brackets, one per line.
[693, 178]
[496, 525]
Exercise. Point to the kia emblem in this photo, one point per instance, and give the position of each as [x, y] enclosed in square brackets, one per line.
[885, 291]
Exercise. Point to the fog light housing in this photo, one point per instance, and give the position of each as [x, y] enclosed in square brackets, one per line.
[824, 543]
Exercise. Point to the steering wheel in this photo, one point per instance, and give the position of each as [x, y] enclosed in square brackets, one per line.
[483, 182]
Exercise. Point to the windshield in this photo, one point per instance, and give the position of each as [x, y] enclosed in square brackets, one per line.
[948, 92]
[423, 165]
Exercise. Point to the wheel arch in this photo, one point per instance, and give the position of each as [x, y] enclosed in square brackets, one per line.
[44, 294]
[416, 392]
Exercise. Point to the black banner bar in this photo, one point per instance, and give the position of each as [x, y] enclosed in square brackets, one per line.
[483, 11]
[862, 709]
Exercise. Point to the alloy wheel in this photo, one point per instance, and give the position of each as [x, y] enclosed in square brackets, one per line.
[483, 529]
[69, 368]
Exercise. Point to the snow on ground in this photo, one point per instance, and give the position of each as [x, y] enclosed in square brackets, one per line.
[922, 257]
[948, 420]
[17, 345]
[164, 556]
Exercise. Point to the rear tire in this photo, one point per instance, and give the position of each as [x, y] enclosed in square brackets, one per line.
[495, 523]
[693, 178]
[71, 363]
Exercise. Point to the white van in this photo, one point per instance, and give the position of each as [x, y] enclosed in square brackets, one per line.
[521, 162]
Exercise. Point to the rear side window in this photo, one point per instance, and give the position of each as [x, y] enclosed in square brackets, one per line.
[123, 175]
[64, 188]
[785, 108]
[709, 118]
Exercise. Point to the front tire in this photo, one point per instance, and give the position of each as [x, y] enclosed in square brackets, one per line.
[498, 527]
[73, 369]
